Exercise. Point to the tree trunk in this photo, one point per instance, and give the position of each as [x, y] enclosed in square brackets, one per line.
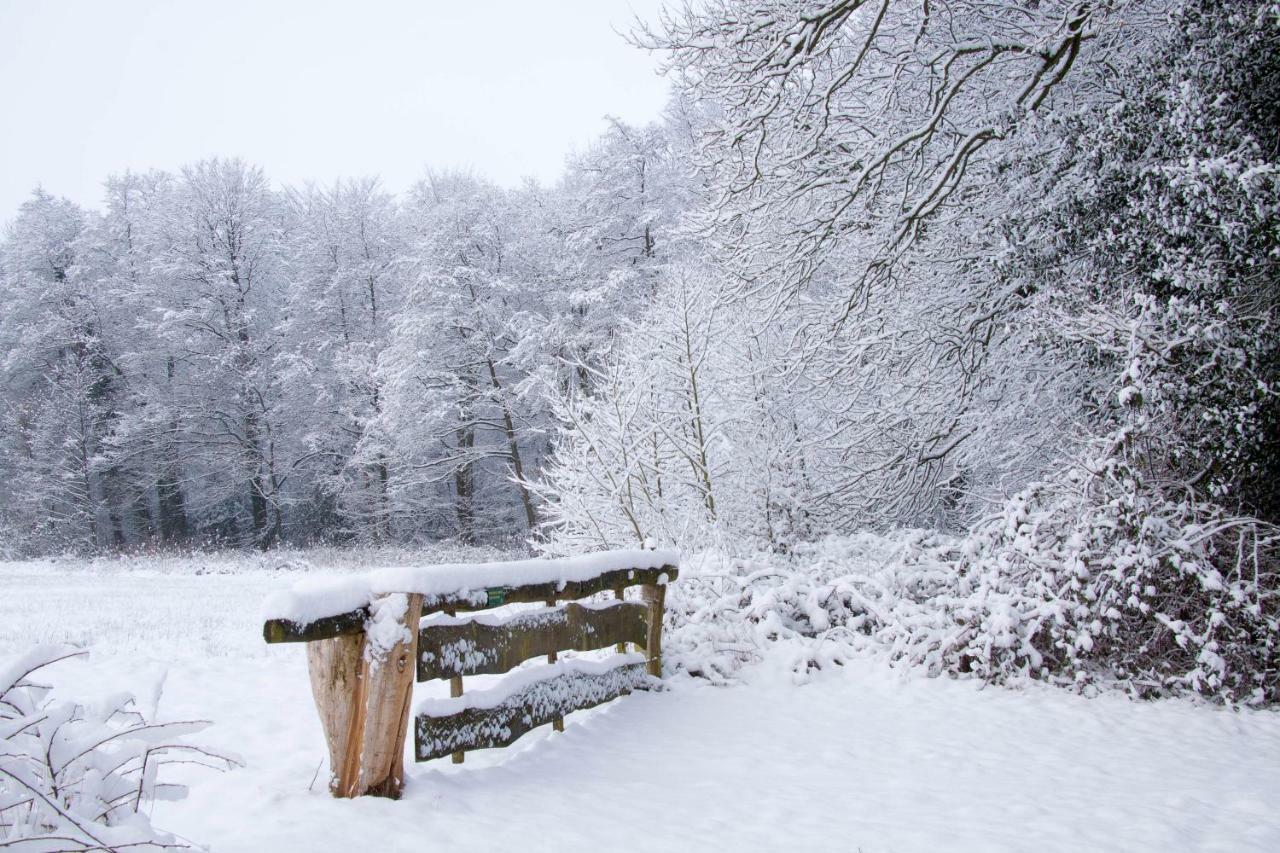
[464, 485]
[382, 515]
[169, 498]
[172, 505]
[513, 450]
[258, 504]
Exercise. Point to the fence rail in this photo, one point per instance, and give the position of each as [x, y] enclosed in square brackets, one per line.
[473, 647]
[352, 622]
[367, 640]
[444, 731]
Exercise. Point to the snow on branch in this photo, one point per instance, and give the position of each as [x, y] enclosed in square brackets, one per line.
[76, 777]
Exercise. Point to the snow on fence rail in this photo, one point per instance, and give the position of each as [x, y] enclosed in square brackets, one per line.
[363, 653]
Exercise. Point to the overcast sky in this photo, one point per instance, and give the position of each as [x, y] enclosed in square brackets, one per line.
[310, 89]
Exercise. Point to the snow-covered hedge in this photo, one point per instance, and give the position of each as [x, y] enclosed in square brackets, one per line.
[1098, 577]
[76, 776]
[1096, 587]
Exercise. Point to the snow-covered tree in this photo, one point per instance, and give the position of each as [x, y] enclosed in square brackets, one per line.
[347, 262]
[452, 369]
[60, 380]
[220, 270]
[688, 435]
[852, 153]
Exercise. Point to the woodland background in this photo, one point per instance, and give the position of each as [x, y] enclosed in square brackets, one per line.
[1001, 275]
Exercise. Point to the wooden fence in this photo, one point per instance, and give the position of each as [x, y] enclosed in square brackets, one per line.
[363, 661]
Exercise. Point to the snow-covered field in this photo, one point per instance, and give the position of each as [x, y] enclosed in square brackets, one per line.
[859, 758]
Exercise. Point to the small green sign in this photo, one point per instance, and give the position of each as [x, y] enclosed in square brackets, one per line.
[497, 595]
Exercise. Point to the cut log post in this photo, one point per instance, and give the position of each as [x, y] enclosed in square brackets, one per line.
[654, 595]
[363, 686]
[337, 684]
[391, 651]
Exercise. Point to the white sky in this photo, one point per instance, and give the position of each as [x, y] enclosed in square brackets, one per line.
[310, 89]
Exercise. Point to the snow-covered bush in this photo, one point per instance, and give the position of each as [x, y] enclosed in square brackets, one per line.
[76, 776]
[816, 606]
[1090, 589]
[1099, 577]
[1149, 553]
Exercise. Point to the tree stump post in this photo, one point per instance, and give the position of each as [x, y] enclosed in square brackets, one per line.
[654, 596]
[363, 687]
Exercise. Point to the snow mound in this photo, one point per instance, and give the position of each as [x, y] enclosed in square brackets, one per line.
[318, 597]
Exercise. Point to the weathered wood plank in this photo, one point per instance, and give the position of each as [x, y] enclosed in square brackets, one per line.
[571, 590]
[474, 648]
[346, 624]
[343, 625]
[539, 703]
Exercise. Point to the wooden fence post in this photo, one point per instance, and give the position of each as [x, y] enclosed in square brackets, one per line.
[654, 595]
[621, 594]
[558, 723]
[455, 690]
[363, 686]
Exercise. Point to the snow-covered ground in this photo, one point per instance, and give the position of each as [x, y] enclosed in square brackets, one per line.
[859, 758]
